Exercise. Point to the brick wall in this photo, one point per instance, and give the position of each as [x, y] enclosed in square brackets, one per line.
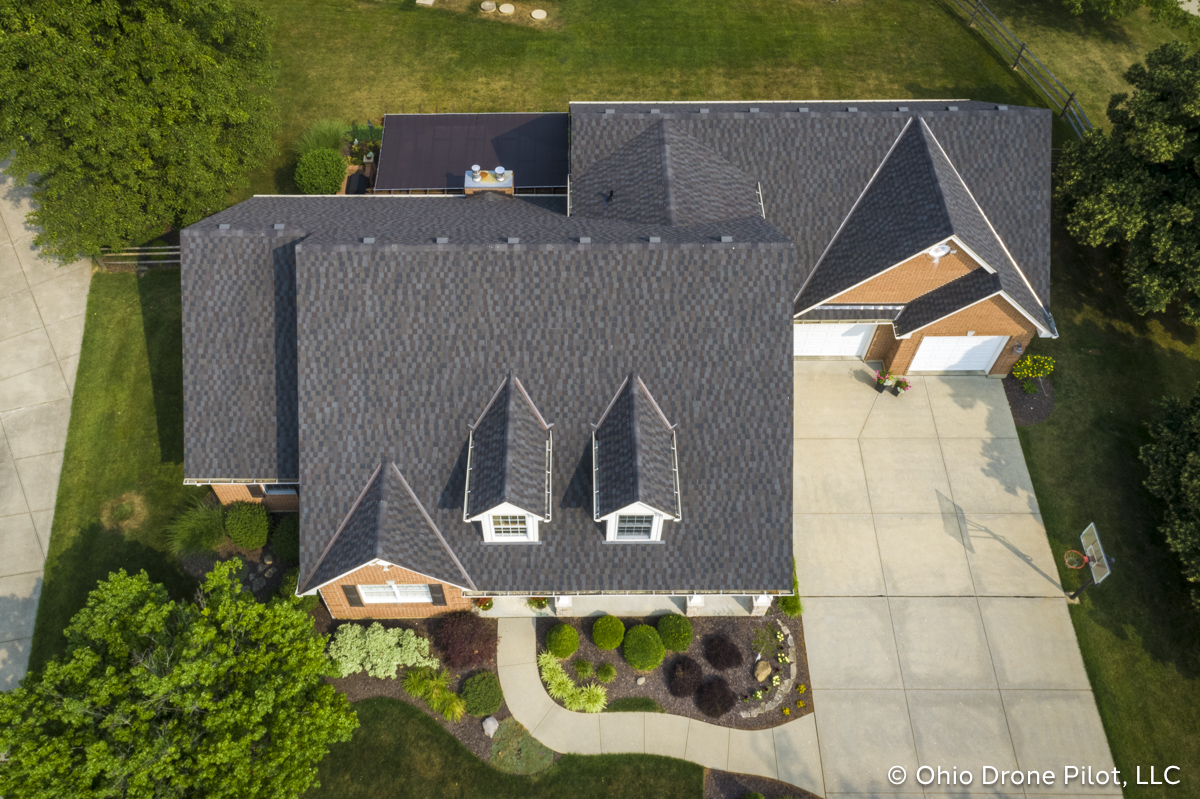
[994, 317]
[339, 608]
[883, 344]
[242, 492]
[909, 280]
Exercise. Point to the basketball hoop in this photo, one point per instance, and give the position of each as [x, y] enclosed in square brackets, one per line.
[1075, 560]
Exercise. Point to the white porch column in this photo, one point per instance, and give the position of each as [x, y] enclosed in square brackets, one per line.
[564, 606]
[762, 603]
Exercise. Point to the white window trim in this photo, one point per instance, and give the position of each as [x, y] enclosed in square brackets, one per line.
[506, 509]
[290, 489]
[637, 509]
[398, 595]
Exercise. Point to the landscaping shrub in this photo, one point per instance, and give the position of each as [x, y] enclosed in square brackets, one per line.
[675, 631]
[560, 686]
[606, 672]
[482, 694]
[320, 171]
[199, 528]
[377, 651]
[714, 698]
[608, 632]
[324, 134]
[466, 640]
[722, 653]
[247, 524]
[286, 539]
[634, 704]
[562, 640]
[644, 650]
[790, 605]
[434, 687]
[287, 590]
[583, 669]
[684, 676]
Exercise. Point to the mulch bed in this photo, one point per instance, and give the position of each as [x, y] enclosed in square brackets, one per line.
[741, 680]
[1029, 409]
[724, 785]
[362, 686]
[254, 575]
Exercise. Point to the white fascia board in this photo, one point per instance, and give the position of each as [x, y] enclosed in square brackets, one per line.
[506, 509]
[846, 219]
[380, 562]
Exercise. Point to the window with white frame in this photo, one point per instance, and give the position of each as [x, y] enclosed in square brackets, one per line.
[635, 527]
[279, 489]
[384, 594]
[510, 528]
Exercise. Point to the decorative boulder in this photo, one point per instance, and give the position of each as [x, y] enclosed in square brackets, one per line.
[762, 670]
[490, 725]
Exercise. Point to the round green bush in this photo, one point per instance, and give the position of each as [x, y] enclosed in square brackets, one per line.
[675, 631]
[247, 524]
[644, 650]
[608, 632]
[286, 538]
[606, 672]
[583, 668]
[482, 694]
[321, 171]
[562, 640]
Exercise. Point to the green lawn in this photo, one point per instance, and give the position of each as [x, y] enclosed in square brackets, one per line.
[351, 58]
[398, 751]
[124, 446]
[1140, 641]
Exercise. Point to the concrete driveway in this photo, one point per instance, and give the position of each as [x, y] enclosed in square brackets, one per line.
[936, 628]
[42, 307]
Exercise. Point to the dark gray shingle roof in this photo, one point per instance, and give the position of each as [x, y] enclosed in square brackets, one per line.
[635, 454]
[508, 455]
[387, 522]
[976, 285]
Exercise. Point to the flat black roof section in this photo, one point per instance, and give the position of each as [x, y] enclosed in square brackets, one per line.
[432, 151]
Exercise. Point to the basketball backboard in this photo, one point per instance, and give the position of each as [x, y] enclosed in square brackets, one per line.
[1097, 561]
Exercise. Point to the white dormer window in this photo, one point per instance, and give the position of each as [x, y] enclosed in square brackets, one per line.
[510, 527]
[635, 527]
[508, 524]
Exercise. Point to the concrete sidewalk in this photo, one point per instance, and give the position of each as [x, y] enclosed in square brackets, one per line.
[42, 309]
[788, 753]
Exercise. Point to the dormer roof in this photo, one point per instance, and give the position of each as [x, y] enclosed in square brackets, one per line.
[915, 200]
[387, 522]
[635, 459]
[509, 455]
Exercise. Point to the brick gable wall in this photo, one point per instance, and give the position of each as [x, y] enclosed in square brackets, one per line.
[909, 280]
[339, 607]
[994, 317]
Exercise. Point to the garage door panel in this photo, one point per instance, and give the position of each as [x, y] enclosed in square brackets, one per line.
[832, 340]
[957, 353]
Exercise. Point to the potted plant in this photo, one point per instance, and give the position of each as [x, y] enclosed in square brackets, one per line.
[484, 603]
[900, 385]
[882, 380]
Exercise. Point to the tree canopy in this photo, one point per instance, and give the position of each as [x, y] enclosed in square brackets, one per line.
[1171, 12]
[221, 698]
[1140, 185]
[1173, 462]
[131, 116]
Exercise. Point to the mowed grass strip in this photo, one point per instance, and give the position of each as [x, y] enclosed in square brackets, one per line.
[349, 59]
[1139, 637]
[398, 752]
[122, 473]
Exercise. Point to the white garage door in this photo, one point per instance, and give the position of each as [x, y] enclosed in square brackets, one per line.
[832, 341]
[957, 353]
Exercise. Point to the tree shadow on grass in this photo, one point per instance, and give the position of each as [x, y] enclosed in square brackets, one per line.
[162, 322]
[95, 553]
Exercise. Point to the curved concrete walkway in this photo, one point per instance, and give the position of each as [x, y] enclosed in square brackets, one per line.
[788, 753]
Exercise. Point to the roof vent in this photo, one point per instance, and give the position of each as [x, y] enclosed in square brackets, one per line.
[514, 240]
[443, 239]
[753, 110]
[1001, 108]
[610, 110]
[369, 240]
[951, 108]
[726, 239]
[703, 110]
[223, 226]
[477, 180]
[476, 175]
[902, 108]
[939, 250]
[851, 109]
[585, 239]
[655, 111]
[656, 239]
[802, 110]
[278, 226]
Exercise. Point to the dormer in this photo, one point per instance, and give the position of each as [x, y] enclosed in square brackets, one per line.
[635, 467]
[509, 457]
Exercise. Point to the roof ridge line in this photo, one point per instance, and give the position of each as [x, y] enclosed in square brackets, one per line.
[345, 521]
[668, 173]
[433, 527]
[926, 135]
